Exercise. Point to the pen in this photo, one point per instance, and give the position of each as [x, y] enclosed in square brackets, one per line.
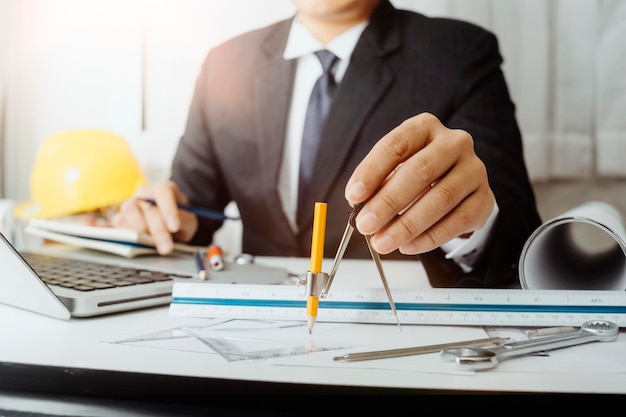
[198, 211]
[419, 350]
[202, 273]
[216, 259]
[315, 269]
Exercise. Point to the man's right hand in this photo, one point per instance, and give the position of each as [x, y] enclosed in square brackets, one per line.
[164, 221]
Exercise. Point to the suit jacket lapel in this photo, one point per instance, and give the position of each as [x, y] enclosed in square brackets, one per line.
[272, 96]
[365, 82]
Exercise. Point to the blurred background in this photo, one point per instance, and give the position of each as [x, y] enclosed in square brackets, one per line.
[129, 67]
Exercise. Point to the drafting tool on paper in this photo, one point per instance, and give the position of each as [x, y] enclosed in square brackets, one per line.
[318, 283]
[417, 350]
[453, 306]
[235, 340]
[550, 331]
[242, 348]
[476, 358]
[347, 234]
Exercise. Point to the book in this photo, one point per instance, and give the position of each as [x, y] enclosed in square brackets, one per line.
[123, 242]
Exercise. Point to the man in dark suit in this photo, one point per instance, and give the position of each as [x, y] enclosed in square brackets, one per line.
[421, 128]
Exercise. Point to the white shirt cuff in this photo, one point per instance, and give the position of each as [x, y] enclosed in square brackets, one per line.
[465, 251]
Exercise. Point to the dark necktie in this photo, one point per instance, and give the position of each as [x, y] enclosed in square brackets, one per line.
[319, 103]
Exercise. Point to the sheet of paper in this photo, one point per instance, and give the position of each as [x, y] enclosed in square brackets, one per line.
[369, 337]
[288, 343]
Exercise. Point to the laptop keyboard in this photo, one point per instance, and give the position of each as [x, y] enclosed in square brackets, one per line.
[90, 276]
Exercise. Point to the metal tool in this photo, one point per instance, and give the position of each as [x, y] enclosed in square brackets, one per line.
[417, 350]
[484, 358]
[546, 331]
[343, 245]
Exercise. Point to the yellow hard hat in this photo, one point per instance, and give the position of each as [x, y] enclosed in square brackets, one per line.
[78, 171]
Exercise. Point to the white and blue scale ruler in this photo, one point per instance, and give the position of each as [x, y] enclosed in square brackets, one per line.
[499, 307]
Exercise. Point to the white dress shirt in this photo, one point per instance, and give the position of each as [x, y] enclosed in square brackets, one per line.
[301, 46]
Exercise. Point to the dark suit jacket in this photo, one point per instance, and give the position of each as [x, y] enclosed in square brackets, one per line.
[403, 64]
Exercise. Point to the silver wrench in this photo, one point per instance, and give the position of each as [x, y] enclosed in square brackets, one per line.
[477, 358]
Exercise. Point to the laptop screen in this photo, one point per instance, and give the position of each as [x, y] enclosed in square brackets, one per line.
[21, 287]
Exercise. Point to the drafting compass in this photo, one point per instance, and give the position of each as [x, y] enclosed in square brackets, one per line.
[327, 280]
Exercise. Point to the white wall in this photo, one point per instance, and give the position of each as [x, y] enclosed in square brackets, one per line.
[127, 66]
[6, 12]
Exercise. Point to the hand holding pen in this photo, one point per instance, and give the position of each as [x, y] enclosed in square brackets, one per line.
[162, 210]
[198, 211]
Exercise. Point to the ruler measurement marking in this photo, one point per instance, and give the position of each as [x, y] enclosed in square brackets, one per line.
[384, 306]
[439, 306]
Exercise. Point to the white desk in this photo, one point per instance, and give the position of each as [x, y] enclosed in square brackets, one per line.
[73, 357]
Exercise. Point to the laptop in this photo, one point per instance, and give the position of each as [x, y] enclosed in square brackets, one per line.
[65, 285]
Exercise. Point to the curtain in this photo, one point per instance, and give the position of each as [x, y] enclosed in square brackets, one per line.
[6, 37]
[565, 62]
[610, 78]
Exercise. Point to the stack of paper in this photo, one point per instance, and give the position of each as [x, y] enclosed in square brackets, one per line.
[124, 242]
